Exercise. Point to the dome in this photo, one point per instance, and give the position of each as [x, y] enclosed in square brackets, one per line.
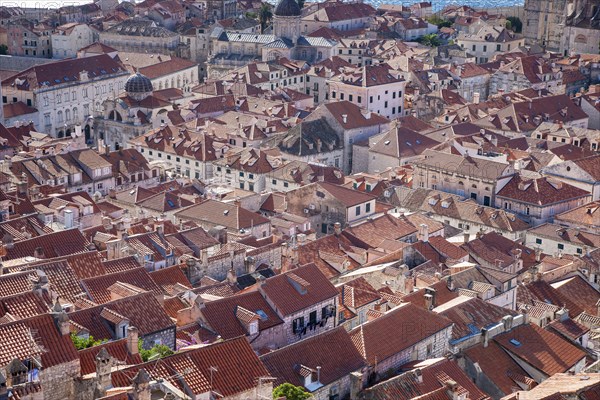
[138, 83]
[288, 8]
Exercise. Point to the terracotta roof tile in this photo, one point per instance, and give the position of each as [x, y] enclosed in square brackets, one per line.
[544, 350]
[222, 315]
[379, 340]
[238, 369]
[143, 311]
[289, 295]
[116, 349]
[35, 337]
[333, 351]
[168, 278]
[97, 287]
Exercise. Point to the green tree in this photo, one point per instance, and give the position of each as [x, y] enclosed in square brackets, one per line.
[264, 16]
[515, 24]
[84, 343]
[431, 40]
[301, 4]
[290, 392]
[157, 351]
[508, 25]
[251, 15]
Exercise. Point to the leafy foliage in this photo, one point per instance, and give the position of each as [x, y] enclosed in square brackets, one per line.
[265, 15]
[439, 21]
[3, 49]
[251, 15]
[515, 24]
[84, 343]
[158, 351]
[431, 40]
[290, 392]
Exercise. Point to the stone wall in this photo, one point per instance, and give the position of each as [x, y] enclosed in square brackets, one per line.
[58, 381]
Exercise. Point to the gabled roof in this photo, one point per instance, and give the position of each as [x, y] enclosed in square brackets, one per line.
[346, 196]
[98, 287]
[116, 349]
[36, 337]
[378, 340]
[55, 244]
[221, 315]
[298, 289]
[143, 311]
[233, 365]
[226, 214]
[544, 350]
[402, 142]
[540, 191]
[332, 351]
[428, 383]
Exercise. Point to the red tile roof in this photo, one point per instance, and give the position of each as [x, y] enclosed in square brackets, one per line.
[23, 305]
[235, 369]
[97, 287]
[169, 277]
[298, 289]
[497, 365]
[580, 292]
[541, 191]
[333, 351]
[544, 350]
[379, 339]
[116, 349]
[35, 337]
[56, 244]
[143, 311]
[221, 314]
[430, 386]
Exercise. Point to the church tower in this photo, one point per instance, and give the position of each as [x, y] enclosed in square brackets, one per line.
[286, 20]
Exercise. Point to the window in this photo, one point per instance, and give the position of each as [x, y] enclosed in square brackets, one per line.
[527, 210]
[538, 241]
[359, 98]
[561, 246]
[324, 228]
[241, 173]
[370, 99]
[357, 211]
[285, 184]
[368, 207]
[274, 181]
[579, 251]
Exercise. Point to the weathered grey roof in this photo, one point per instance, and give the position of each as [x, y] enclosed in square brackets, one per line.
[281, 43]
[315, 41]
[227, 36]
[288, 8]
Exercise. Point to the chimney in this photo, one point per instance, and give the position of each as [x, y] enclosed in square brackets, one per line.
[418, 375]
[423, 233]
[430, 298]
[485, 337]
[231, 276]
[345, 118]
[466, 237]
[476, 97]
[132, 340]
[319, 374]
[337, 229]
[38, 252]
[562, 314]
[538, 254]
[104, 363]
[453, 389]
[356, 384]
[141, 385]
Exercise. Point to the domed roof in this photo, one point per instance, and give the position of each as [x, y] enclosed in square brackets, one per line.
[288, 8]
[138, 83]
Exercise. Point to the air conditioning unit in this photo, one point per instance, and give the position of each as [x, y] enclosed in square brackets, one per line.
[306, 211]
[311, 206]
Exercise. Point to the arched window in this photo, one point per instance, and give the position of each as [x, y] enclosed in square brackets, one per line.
[59, 116]
[75, 114]
[460, 183]
[68, 115]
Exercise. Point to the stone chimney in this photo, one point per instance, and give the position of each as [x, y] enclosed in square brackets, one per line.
[39, 252]
[104, 363]
[345, 118]
[356, 384]
[337, 229]
[430, 298]
[141, 385]
[132, 340]
[476, 97]
[485, 337]
[231, 276]
[423, 233]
